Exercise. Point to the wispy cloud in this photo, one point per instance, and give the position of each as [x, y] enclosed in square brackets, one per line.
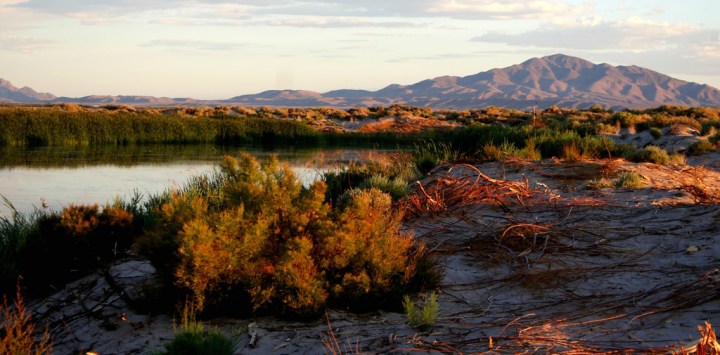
[468, 9]
[15, 42]
[202, 45]
[633, 34]
[338, 22]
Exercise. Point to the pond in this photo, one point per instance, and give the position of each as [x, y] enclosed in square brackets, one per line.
[53, 177]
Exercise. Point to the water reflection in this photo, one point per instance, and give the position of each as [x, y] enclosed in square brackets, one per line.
[56, 177]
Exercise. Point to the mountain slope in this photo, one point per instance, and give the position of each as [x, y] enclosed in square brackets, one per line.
[9, 93]
[559, 80]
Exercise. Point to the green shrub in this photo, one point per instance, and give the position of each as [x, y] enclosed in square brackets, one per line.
[714, 139]
[395, 187]
[651, 154]
[598, 184]
[424, 318]
[200, 343]
[491, 152]
[701, 147]
[630, 180]
[392, 179]
[14, 231]
[655, 132]
[429, 154]
[193, 339]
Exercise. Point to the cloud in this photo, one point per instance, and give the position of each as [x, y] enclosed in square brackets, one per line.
[502, 10]
[337, 22]
[631, 34]
[191, 44]
[15, 42]
[11, 2]
[466, 9]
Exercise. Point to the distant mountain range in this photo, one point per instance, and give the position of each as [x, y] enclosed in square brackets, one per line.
[558, 80]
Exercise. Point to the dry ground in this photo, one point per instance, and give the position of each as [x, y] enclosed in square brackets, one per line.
[535, 262]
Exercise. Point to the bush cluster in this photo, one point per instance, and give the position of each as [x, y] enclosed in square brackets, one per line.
[650, 154]
[265, 243]
[76, 241]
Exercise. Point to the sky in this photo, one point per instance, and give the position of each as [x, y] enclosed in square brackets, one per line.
[217, 49]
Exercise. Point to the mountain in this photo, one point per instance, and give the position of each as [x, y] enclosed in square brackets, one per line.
[558, 80]
[9, 93]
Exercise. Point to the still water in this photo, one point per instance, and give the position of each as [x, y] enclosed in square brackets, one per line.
[55, 177]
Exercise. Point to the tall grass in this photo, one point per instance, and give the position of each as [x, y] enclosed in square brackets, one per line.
[56, 127]
[14, 231]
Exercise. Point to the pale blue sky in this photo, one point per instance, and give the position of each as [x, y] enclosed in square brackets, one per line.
[216, 49]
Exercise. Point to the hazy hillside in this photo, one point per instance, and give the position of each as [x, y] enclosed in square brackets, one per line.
[558, 80]
[9, 93]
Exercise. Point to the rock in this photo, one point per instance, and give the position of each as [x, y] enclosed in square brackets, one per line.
[137, 281]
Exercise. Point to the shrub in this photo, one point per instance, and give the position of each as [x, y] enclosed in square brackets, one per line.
[714, 139]
[655, 132]
[193, 339]
[75, 242]
[14, 231]
[651, 154]
[630, 180]
[701, 147]
[392, 179]
[425, 318]
[17, 330]
[571, 152]
[598, 184]
[395, 187]
[492, 152]
[429, 154]
[265, 243]
[677, 159]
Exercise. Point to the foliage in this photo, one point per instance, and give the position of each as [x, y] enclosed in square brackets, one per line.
[651, 154]
[430, 154]
[701, 147]
[74, 242]
[268, 244]
[677, 159]
[571, 152]
[630, 180]
[17, 330]
[390, 178]
[14, 231]
[424, 318]
[655, 132]
[55, 126]
[193, 339]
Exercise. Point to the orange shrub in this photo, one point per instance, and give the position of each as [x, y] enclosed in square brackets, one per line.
[275, 246]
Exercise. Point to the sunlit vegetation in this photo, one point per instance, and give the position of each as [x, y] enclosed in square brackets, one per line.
[491, 133]
[18, 331]
[253, 236]
[49, 249]
[630, 180]
[265, 243]
[192, 337]
[58, 127]
[250, 238]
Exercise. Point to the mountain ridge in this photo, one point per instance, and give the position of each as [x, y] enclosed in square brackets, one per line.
[554, 80]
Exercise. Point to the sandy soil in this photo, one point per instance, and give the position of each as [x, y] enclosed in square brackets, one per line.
[534, 261]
